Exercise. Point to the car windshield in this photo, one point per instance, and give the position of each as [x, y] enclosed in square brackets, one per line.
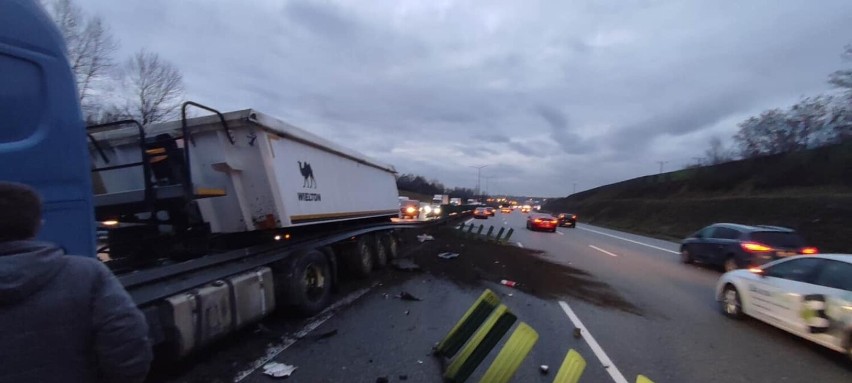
[778, 239]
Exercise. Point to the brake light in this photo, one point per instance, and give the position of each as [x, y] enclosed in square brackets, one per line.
[810, 250]
[754, 246]
[554, 220]
[574, 217]
[537, 220]
[409, 209]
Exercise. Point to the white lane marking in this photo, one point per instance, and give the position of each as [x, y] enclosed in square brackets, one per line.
[629, 240]
[287, 341]
[593, 344]
[468, 221]
[602, 250]
[559, 232]
[521, 245]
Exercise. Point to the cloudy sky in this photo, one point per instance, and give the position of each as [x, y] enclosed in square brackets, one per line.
[548, 94]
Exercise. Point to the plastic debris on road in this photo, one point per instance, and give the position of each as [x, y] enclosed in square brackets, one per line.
[506, 282]
[382, 379]
[425, 237]
[448, 255]
[405, 265]
[278, 370]
[407, 297]
[543, 369]
[578, 332]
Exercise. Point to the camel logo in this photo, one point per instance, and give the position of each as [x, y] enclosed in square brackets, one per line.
[308, 174]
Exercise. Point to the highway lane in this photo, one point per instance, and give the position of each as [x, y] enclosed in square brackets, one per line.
[681, 336]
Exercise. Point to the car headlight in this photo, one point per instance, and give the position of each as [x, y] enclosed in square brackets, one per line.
[427, 209]
[437, 210]
[409, 209]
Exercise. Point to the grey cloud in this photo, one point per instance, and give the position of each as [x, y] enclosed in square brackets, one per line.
[591, 89]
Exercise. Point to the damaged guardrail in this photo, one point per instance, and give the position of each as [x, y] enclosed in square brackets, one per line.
[468, 232]
[481, 328]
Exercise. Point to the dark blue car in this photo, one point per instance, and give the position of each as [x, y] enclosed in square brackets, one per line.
[733, 246]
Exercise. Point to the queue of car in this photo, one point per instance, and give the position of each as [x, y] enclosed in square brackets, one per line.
[774, 275]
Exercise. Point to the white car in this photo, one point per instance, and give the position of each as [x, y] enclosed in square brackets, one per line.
[808, 295]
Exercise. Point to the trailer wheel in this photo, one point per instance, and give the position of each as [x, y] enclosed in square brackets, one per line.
[310, 283]
[380, 253]
[360, 261]
[391, 244]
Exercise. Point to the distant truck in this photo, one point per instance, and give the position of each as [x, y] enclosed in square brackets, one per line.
[441, 199]
[455, 201]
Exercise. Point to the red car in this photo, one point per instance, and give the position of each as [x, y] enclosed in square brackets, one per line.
[481, 213]
[542, 221]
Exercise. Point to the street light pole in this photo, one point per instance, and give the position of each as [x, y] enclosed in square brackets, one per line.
[478, 176]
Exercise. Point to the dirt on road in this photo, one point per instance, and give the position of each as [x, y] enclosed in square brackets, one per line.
[487, 261]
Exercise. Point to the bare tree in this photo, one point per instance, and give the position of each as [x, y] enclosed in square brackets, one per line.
[90, 46]
[843, 78]
[716, 153]
[155, 88]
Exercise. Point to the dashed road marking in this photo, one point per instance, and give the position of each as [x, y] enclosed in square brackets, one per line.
[602, 250]
[610, 367]
[273, 350]
[559, 232]
[629, 240]
[468, 221]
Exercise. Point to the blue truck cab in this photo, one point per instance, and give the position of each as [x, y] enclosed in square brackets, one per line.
[42, 133]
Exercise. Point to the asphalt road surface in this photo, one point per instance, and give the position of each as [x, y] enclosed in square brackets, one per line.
[677, 335]
[681, 336]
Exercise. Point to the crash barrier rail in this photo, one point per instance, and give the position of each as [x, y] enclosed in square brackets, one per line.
[468, 231]
[481, 328]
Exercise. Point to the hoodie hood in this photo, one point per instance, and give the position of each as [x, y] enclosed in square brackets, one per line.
[25, 267]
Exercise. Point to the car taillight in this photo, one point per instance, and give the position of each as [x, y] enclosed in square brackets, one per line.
[810, 250]
[754, 246]
[573, 217]
[537, 220]
[409, 209]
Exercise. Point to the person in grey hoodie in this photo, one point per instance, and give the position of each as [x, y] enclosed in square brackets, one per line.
[62, 318]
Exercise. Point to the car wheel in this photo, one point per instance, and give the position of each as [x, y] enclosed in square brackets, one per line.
[685, 256]
[731, 302]
[730, 264]
[553, 231]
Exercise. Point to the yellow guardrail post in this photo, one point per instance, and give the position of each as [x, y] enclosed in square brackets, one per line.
[467, 325]
[511, 355]
[571, 369]
[480, 344]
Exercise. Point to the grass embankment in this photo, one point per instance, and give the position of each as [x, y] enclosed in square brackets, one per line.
[810, 191]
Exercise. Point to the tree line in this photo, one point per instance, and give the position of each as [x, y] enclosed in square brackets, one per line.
[812, 122]
[144, 86]
[419, 184]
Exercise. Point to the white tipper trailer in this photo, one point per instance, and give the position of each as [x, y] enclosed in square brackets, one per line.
[222, 194]
[263, 172]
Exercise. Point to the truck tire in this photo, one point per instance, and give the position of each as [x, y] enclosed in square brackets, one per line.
[309, 283]
[360, 260]
[391, 244]
[380, 253]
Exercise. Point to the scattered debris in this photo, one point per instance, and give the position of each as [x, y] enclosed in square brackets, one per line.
[327, 334]
[419, 362]
[403, 377]
[509, 294]
[407, 297]
[448, 255]
[577, 332]
[506, 282]
[382, 379]
[543, 369]
[407, 312]
[425, 237]
[405, 265]
[278, 370]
